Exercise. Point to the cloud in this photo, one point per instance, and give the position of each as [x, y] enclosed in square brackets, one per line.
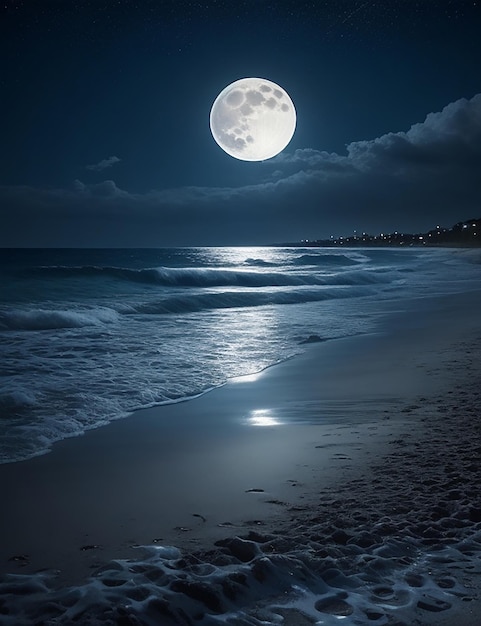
[104, 164]
[445, 138]
[400, 181]
[105, 189]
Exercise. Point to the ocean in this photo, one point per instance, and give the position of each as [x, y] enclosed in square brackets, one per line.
[89, 336]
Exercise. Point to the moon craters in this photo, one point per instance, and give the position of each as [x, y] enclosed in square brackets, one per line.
[235, 99]
[254, 97]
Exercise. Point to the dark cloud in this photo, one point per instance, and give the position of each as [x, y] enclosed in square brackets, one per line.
[105, 189]
[443, 138]
[104, 164]
[399, 181]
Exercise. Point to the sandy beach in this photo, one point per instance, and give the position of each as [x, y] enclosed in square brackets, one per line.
[354, 467]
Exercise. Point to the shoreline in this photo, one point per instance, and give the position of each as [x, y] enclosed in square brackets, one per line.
[336, 419]
[193, 433]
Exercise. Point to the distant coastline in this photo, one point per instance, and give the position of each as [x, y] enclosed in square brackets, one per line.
[461, 234]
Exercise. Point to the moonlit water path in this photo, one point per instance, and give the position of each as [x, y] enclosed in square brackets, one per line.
[90, 335]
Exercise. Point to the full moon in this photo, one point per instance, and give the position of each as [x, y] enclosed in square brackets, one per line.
[253, 119]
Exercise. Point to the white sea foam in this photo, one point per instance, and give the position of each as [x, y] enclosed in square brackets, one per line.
[42, 319]
[249, 582]
[17, 400]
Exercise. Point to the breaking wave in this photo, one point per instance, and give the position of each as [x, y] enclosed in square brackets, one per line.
[235, 299]
[209, 277]
[326, 260]
[42, 319]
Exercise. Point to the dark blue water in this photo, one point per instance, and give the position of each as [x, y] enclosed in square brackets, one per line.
[88, 336]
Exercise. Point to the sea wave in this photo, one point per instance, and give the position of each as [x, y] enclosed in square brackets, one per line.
[326, 260]
[218, 277]
[260, 263]
[16, 401]
[312, 259]
[37, 320]
[234, 299]
[44, 319]
[348, 285]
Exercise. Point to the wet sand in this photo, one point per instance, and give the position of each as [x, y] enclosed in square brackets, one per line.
[352, 446]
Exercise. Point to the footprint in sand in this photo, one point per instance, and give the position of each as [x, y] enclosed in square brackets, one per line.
[445, 583]
[414, 580]
[335, 606]
[434, 605]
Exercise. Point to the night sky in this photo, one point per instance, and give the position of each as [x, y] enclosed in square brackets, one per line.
[104, 120]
